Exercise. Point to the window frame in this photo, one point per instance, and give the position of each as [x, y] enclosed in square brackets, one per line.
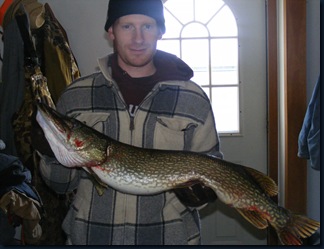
[210, 86]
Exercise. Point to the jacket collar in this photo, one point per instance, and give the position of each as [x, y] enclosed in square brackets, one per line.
[169, 67]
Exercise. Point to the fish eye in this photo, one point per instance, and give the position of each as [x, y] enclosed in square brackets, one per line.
[74, 124]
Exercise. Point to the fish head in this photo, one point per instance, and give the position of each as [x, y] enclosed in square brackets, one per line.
[73, 143]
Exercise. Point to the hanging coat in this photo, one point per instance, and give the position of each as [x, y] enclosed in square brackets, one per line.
[309, 137]
[33, 63]
[12, 88]
[58, 63]
[19, 198]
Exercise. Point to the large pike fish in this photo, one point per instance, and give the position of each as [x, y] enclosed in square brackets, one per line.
[141, 171]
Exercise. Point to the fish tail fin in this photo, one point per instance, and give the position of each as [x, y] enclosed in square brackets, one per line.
[297, 227]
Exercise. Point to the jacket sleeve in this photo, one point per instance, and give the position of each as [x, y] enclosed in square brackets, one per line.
[59, 178]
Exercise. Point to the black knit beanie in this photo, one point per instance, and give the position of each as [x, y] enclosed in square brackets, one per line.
[151, 8]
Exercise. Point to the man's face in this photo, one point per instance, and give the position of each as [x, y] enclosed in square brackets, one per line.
[135, 38]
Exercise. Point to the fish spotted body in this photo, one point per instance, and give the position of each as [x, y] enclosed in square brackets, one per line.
[139, 171]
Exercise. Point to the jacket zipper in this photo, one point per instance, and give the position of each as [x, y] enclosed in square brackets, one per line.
[131, 128]
[131, 123]
[132, 118]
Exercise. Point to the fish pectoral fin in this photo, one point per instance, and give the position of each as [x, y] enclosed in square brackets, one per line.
[264, 181]
[254, 218]
[99, 185]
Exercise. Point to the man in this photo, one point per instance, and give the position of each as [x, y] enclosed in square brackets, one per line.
[145, 98]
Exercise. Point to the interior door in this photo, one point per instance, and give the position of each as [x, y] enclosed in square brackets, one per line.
[220, 224]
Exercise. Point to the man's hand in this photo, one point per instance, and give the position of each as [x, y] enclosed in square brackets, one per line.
[195, 195]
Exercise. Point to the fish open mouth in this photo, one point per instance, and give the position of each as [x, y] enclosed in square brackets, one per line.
[57, 132]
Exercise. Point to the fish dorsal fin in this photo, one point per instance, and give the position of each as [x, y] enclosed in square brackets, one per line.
[264, 181]
[254, 218]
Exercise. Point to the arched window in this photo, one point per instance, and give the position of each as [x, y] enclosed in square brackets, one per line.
[204, 34]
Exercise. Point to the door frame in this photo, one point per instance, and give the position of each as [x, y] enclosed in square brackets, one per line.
[293, 106]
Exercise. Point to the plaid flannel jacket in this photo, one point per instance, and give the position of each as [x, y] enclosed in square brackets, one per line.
[175, 115]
